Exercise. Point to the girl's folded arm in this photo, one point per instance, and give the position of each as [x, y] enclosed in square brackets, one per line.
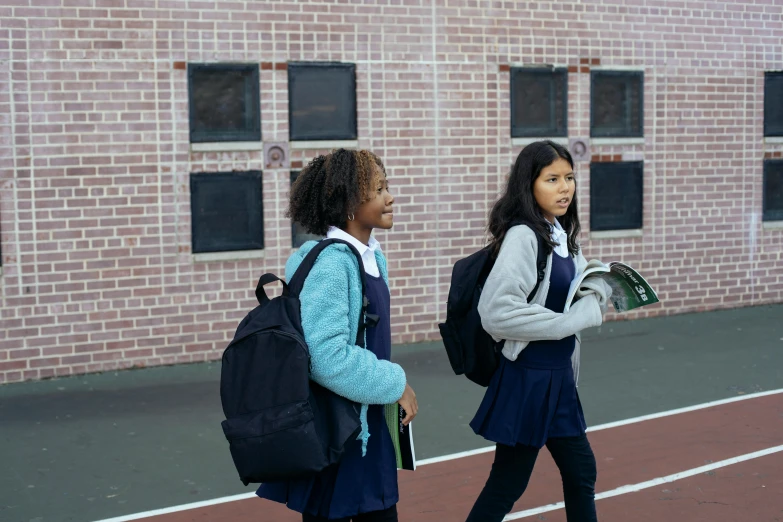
[506, 314]
[336, 362]
[503, 307]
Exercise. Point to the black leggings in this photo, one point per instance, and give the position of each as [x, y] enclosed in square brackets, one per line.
[385, 515]
[511, 472]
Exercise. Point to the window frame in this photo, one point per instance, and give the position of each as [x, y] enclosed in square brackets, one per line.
[353, 134]
[772, 130]
[630, 76]
[213, 245]
[252, 101]
[768, 214]
[637, 169]
[519, 131]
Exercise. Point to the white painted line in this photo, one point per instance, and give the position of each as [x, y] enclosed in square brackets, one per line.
[182, 507]
[632, 488]
[461, 454]
[453, 456]
[633, 420]
[684, 410]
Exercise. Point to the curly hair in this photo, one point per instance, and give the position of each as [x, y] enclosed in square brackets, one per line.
[332, 186]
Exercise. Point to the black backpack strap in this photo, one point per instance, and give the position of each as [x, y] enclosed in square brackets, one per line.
[540, 259]
[297, 283]
[540, 267]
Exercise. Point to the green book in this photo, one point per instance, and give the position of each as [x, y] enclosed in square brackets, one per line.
[402, 436]
[629, 289]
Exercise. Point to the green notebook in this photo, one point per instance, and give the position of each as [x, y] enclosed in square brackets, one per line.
[629, 289]
[402, 436]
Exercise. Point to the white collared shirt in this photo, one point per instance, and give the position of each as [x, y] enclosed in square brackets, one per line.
[560, 237]
[367, 251]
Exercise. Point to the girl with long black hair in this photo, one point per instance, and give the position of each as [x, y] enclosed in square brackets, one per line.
[532, 400]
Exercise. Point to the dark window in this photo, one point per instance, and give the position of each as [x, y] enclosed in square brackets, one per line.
[539, 104]
[617, 104]
[773, 190]
[224, 102]
[616, 195]
[299, 235]
[227, 211]
[773, 104]
[322, 101]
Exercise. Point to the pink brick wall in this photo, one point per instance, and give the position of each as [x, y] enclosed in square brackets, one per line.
[94, 155]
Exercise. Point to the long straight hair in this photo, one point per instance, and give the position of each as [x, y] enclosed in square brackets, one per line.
[518, 204]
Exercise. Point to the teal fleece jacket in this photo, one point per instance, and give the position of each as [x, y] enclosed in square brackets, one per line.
[330, 305]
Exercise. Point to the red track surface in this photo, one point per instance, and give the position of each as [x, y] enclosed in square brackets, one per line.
[750, 491]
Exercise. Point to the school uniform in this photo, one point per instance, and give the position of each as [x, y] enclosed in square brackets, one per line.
[363, 485]
[532, 398]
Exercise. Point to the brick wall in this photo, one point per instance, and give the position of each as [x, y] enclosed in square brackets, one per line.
[97, 269]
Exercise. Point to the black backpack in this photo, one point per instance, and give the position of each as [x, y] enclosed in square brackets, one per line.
[279, 424]
[470, 348]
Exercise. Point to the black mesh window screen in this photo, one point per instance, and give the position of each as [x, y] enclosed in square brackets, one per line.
[539, 102]
[227, 211]
[616, 195]
[322, 101]
[299, 235]
[617, 104]
[773, 190]
[773, 103]
[224, 102]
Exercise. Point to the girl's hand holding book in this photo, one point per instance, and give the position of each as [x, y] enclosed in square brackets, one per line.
[588, 311]
[599, 287]
[409, 404]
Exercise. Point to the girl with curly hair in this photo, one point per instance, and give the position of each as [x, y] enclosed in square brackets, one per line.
[345, 195]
